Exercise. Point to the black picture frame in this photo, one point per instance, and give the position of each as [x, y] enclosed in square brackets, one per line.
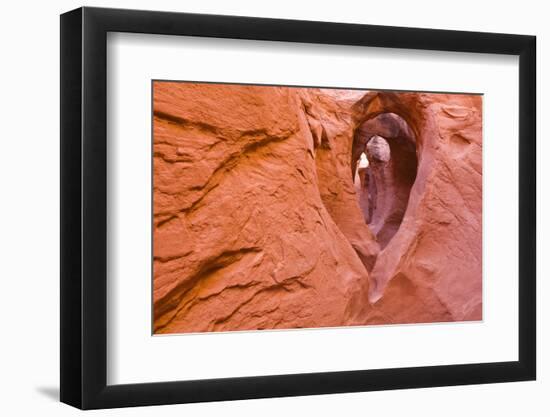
[84, 207]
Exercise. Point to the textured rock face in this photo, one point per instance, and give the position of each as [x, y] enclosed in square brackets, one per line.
[257, 221]
[378, 149]
[242, 239]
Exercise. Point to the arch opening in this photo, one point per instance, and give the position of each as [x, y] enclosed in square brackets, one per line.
[384, 164]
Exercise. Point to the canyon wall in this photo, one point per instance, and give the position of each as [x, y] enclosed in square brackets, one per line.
[257, 223]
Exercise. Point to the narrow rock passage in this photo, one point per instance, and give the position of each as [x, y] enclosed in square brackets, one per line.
[385, 172]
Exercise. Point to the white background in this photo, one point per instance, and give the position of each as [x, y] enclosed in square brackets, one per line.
[134, 356]
[30, 206]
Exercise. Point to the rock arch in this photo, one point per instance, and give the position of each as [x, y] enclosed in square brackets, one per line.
[432, 265]
[421, 273]
[383, 187]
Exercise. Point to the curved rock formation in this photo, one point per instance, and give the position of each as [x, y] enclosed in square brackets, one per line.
[431, 268]
[257, 223]
[242, 239]
[387, 181]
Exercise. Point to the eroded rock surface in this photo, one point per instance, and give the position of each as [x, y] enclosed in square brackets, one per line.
[257, 222]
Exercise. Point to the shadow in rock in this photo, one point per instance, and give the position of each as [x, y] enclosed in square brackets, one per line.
[384, 164]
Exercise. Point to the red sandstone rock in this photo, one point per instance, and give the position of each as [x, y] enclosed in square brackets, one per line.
[257, 223]
[242, 239]
[431, 268]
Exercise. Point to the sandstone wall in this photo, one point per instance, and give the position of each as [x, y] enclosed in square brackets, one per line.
[257, 223]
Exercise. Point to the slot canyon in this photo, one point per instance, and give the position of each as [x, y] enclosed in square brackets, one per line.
[285, 207]
[384, 170]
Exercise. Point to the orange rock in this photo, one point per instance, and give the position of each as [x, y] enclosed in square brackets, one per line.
[257, 223]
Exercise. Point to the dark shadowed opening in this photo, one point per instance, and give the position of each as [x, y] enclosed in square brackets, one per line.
[384, 164]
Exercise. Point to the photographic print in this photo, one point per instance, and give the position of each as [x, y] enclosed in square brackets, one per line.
[282, 207]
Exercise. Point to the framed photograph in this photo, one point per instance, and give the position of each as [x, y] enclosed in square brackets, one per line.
[258, 208]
